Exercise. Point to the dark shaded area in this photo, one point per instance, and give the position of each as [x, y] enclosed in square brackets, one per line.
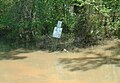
[88, 63]
[97, 54]
[7, 52]
[66, 42]
[11, 55]
[53, 44]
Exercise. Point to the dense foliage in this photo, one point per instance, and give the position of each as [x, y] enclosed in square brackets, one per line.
[85, 22]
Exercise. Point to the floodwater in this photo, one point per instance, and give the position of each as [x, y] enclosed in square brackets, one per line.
[60, 67]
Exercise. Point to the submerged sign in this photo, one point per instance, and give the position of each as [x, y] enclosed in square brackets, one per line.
[58, 30]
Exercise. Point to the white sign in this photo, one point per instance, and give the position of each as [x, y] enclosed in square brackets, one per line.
[59, 24]
[57, 32]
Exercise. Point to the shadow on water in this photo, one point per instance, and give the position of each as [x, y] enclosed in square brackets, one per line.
[9, 53]
[88, 63]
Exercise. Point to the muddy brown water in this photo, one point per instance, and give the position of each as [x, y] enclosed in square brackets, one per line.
[45, 67]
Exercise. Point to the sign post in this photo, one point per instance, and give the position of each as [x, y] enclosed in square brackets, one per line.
[57, 34]
[58, 30]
